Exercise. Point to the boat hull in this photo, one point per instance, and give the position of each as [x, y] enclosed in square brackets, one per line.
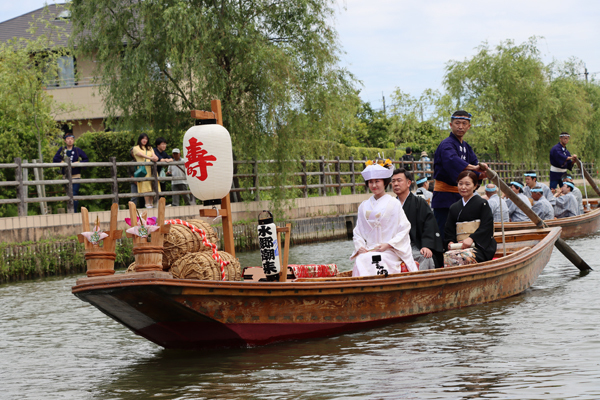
[185, 314]
[572, 227]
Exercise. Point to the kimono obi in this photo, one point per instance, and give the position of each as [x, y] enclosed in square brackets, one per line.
[556, 169]
[464, 229]
[444, 187]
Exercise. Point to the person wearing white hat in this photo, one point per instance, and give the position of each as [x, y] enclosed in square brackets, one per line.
[382, 233]
[179, 184]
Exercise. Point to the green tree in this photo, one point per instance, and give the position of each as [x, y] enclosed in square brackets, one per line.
[376, 127]
[414, 120]
[27, 125]
[520, 105]
[27, 66]
[505, 89]
[269, 62]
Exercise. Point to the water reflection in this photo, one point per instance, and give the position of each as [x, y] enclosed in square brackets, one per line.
[541, 344]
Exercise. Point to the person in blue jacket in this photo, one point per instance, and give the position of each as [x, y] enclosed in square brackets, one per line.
[77, 156]
[452, 157]
[560, 160]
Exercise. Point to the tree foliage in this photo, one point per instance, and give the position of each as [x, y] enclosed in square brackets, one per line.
[27, 112]
[519, 104]
[273, 64]
[27, 66]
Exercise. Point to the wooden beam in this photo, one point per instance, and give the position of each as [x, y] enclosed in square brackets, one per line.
[286, 250]
[228, 241]
[215, 106]
[211, 212]
[199, 114]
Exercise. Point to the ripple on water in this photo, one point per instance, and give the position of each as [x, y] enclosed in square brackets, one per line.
[541, 344]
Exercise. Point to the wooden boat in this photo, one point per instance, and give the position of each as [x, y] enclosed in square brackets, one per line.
[178, 313]
[572, 227]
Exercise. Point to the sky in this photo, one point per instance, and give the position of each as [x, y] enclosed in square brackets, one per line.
[391, 44]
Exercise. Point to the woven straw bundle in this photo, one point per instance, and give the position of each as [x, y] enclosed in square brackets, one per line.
[181, 240]
[211, 235]
[131, 268]
[201, 266]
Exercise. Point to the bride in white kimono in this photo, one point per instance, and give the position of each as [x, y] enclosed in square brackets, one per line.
[382, 229]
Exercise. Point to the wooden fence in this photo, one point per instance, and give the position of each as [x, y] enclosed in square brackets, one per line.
[313, 177]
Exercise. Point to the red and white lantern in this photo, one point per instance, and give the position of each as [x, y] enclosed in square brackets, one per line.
[209, 162]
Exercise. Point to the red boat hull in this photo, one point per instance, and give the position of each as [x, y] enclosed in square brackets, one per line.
[206, 314]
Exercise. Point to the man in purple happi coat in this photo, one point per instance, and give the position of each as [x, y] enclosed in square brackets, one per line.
[560, 160]
[452, 156]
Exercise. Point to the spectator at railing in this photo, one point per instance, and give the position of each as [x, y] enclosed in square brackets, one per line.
[77, 156]
[160, 151]
[179, 185]
[144, 152]
[423, 165]
[408, 157]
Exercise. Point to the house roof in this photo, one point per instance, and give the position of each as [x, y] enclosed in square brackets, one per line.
[18, 26]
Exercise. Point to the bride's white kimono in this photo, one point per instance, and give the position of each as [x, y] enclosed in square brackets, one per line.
[382, 221]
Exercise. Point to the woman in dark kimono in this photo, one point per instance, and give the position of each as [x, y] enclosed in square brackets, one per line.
[471, 208]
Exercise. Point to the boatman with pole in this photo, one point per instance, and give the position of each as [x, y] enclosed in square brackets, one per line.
[452, 156]
[560, 160]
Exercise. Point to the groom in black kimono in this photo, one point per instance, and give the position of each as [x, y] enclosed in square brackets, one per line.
[425, 237]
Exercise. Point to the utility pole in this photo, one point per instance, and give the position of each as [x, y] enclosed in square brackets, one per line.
[586, 74]
[383, 97]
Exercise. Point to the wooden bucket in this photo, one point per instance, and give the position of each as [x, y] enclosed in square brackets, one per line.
[100, 263]
[148, 257]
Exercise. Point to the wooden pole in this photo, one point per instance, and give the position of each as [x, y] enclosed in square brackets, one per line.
[25, 187]
[560, 244]
[69, 176]
[284, 255]
[115, 183]
[20, 188]
[227, 219]
[588, 177]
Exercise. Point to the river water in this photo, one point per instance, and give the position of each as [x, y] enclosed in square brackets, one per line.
[542, 344]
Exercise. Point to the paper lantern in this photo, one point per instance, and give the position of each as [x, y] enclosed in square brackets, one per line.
[209, 162]
[269, 248]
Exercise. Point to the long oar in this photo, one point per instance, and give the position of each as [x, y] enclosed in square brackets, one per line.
[587, 176]
[560, 244]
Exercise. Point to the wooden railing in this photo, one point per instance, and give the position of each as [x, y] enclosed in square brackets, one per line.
[319, 177]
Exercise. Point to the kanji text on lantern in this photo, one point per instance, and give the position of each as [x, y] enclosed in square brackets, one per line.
[198, 160]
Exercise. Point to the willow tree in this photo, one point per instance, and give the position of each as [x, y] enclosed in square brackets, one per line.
[520, 105]
[27, 111]
[266, 60]
[505, 88]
